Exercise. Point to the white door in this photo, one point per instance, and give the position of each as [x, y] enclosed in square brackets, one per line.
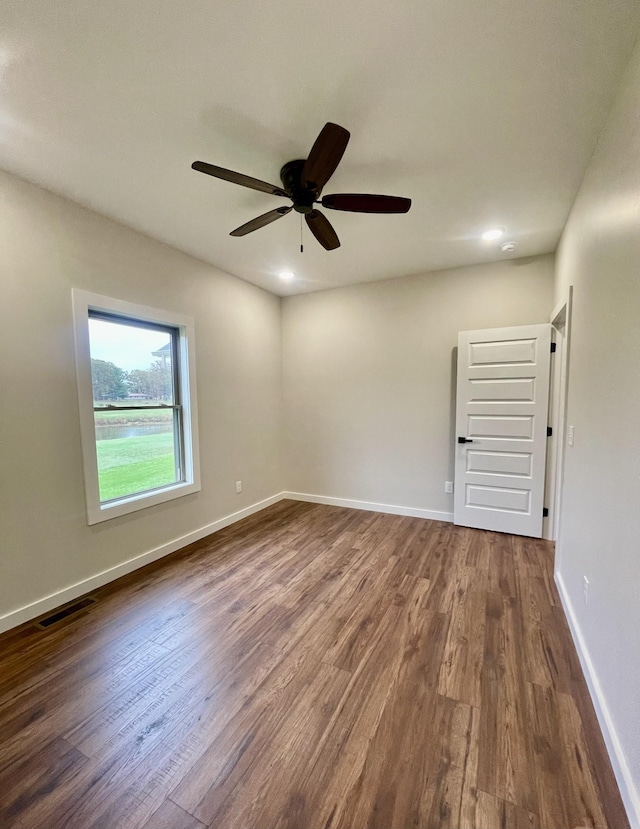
[501, 428]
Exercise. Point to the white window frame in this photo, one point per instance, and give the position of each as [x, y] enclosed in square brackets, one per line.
[83, 302]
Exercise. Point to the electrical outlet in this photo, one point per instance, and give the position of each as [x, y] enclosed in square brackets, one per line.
[570, 431]
[448, 487]
[238, 487]
[586, 589]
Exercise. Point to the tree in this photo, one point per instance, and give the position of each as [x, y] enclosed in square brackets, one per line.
[154, 382]
[160, 380]
[108, 381]
[138, 381]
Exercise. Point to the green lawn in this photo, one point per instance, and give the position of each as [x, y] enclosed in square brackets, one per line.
[129, 465]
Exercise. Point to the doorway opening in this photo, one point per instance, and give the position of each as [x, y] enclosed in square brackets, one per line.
[559, 381]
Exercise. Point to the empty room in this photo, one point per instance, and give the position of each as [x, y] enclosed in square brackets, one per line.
[319, 455]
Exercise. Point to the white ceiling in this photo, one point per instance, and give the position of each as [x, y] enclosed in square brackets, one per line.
[484, 112]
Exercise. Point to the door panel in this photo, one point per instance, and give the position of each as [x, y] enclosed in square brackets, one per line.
[519, 352]
[500, 426]
[502, 401]
[505, 463]
[493, 497]
[503, 390]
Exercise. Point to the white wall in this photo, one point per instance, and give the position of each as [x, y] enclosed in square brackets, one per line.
[48, 245]
[600, 519]
[368, 376]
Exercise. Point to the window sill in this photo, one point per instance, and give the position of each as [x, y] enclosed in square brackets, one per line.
[134, 503]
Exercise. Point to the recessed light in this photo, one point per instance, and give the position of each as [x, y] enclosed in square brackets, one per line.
[287, 276]
[494, 233]
[508, 247]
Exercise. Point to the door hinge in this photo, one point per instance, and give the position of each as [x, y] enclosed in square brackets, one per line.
[553, 348]
[545, 512]
[549, 431]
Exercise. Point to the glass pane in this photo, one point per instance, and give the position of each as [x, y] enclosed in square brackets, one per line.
[130, 365]
[137, 451]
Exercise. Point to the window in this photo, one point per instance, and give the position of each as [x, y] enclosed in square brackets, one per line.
[137, 405]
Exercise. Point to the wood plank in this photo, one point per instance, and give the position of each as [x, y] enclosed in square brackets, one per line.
[567, 792]
[171, 816]
[405, 750]
[461, 669]
[506, 766]
[493, 813]
[30, 780]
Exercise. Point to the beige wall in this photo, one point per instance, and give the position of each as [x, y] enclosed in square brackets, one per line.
[368, 377]
[48, 245]
[600, 521]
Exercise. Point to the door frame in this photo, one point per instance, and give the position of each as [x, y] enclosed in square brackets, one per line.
[558, 398]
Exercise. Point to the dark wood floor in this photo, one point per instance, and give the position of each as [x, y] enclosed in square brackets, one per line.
[309, 667]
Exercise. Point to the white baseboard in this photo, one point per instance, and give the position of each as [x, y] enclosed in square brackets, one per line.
[624, 778]
[68, 594]
[392, 509]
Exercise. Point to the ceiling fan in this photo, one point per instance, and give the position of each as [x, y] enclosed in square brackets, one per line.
[303, 180]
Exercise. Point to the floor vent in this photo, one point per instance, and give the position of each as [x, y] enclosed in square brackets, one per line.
[66, 611]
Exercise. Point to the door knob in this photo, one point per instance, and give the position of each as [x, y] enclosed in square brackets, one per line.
[465, 440]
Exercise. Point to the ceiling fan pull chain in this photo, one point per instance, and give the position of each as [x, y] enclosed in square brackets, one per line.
[301, 245]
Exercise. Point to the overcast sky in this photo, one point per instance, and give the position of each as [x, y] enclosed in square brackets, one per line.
[124, 345]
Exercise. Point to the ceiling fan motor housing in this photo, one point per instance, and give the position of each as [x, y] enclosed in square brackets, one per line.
[303, 198]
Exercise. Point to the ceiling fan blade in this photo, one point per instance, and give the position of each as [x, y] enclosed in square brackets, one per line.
[325, 156]
[321, 228]
[261, 221]
[238, 178]
[363, 203]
